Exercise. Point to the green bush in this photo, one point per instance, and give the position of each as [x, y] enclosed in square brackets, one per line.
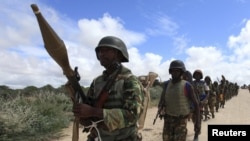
[39, 114]
[34, 118]
[155, 94]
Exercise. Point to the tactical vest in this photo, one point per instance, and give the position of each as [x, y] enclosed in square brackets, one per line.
[176, 101]
[199, 89]
[212, 90]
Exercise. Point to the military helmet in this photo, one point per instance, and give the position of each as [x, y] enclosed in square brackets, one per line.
[208, 78]
[177, 64]
[198, 71]
[215, 83]
[188, 76]
[114, 42]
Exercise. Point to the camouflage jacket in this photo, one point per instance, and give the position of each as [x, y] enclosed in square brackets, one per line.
[124, 103]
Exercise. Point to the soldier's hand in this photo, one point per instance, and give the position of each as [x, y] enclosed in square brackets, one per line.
[204, 102]
[161, 116]
[86, 111]
[82, 110]
[85, 121]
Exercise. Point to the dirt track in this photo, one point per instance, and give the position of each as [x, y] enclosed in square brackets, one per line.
[234, 113]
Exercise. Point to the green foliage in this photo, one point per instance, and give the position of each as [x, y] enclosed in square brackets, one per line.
[37, 117]
[39, 114]
[155, 94]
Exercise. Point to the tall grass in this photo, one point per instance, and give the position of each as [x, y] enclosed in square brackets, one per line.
[39, 114]
[35, 118]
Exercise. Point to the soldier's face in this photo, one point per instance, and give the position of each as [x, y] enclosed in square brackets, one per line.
[176, 73]
[106, 56]
[197, 76]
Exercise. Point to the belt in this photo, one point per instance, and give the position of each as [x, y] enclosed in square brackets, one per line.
[178, 117]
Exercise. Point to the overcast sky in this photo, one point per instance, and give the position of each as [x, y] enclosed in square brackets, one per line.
[211, 35]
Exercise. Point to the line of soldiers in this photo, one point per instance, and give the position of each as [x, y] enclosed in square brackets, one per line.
[190, 96]
[211, 94]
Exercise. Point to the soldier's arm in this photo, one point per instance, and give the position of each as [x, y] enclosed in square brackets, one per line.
[128, 115]
[195, 102]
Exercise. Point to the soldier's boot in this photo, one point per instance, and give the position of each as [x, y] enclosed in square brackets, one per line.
[206, 118]
[212, 115]
[220, 105]
[139, 137]
[201, 114]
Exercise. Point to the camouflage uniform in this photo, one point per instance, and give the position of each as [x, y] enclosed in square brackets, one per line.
[212, 95]
[123, 104]
[201, 89]
[179, 126]
[222, 94]
[121, 109]
[176, 99]
[188, 77]
[216, 90]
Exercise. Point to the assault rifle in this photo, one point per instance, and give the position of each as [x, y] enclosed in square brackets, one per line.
[158, 114]
[162, 101]
[57, 50]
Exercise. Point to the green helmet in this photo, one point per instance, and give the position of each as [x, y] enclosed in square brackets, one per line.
[199, 72]
[177, 64]
[215, 83]
[207, 78]
[114, 42]
[188, 76]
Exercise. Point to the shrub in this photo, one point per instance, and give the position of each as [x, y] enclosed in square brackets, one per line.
[34, 118]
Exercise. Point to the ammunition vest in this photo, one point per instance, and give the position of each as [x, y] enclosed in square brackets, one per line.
[199, 89]
[177, 102]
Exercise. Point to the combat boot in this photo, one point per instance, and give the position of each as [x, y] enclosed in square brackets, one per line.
[212, 115]
[206, 118]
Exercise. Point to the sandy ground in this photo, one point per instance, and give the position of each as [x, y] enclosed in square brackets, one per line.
[235, 112]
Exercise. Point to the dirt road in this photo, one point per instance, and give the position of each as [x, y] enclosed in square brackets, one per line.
[235, 112]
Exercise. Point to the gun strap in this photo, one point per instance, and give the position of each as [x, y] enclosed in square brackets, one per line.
[105, 91]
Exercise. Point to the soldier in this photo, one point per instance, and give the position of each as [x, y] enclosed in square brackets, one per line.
[201, 90]
[222, 89]
[212, 96]
[115, 112]
[216, 89]
[188, 77]
[176, 98]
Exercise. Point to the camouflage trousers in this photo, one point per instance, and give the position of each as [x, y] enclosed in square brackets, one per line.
[175, 128]
[217, 104]
[211, 104]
